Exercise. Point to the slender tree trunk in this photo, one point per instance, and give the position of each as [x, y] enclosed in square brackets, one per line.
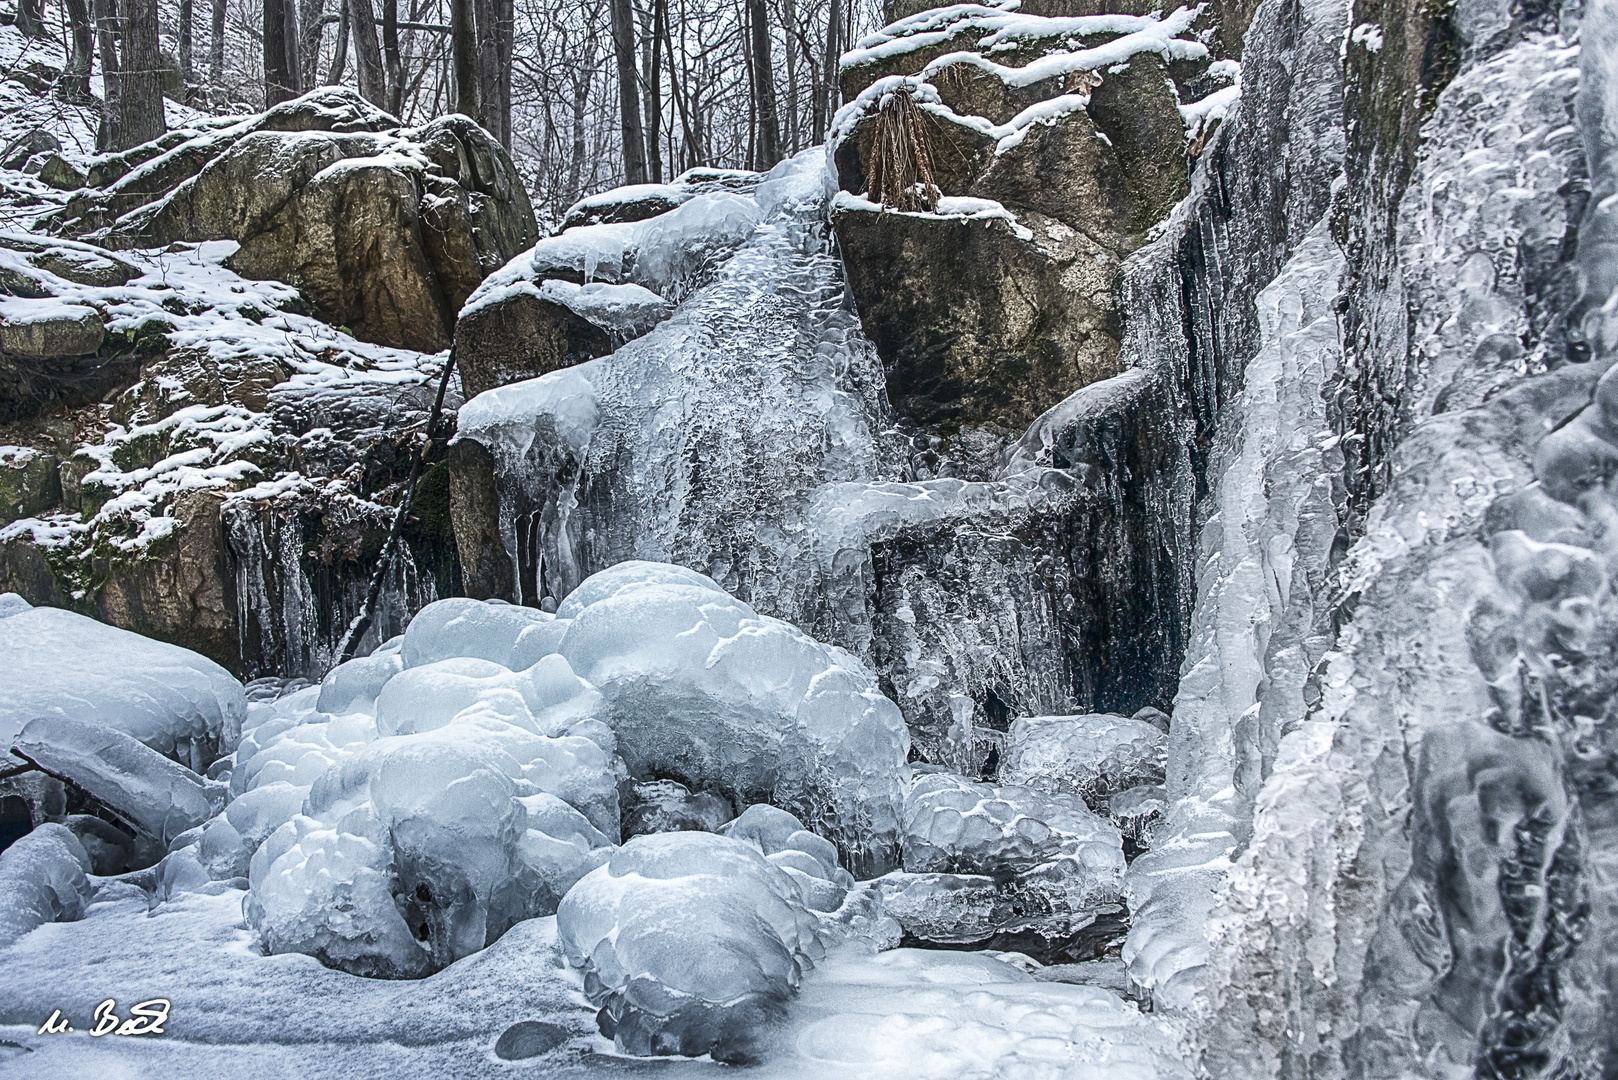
[505, 44]
[789, 19]
[393, 64]
[280, 79]
[769, 122]
[109, 135]
[30, 20]
[367, 52]
[463, 39]
[692, 149]
[826, 108]
[623, 43]
[75, 84]
[187, 72]
[652, 91]
[216, 44]
[339, 56]
[311, 28]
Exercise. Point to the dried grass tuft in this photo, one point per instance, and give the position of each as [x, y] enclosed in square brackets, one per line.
[900, 171]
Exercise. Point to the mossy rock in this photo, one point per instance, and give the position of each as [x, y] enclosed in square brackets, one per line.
[29, 484]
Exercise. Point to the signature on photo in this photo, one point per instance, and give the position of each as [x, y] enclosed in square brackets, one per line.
[146, 1018]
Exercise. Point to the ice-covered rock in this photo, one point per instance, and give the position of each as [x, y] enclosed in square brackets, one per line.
[42, 880]
[1092, 756]
[428, 830]
[954, 824]
[699, 687]
[156, 796]
[60, 664]
[691, 943]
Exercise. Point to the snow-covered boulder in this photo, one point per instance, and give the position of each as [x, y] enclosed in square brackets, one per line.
[42, 879]
[66, 666]
[1092, 756]
[691, 944]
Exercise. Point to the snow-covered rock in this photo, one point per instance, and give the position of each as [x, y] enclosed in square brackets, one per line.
[63, 665]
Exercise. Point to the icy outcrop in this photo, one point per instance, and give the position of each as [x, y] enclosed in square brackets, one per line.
[668, 806]
[156, 796]
[42, 880]
[692, 944]
[63, 665]
[954, 824]
[1093, 756]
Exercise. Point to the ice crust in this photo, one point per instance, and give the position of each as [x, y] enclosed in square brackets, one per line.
[64, 665]
[1093, 756]
[156, 796]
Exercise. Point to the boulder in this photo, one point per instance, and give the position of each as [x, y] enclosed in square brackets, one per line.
[46, 328]
[55, 171]
[29, 483]
[384, 230]
[995, 294]
[521, 336]
[42, 880]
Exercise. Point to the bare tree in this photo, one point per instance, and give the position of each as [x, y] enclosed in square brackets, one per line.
[769, 123]
[75, 84]
[216, 44]
[339, 55]
[367, 52]
[140, 79]
[184, 43]
[311, 27]
[29, 19]
[280, 53]
[623, 43]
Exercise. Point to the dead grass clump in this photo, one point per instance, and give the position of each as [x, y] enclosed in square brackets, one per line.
[900, 171]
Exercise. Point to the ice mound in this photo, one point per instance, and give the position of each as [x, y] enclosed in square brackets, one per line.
[63, 665]
[700, 688]
[691, 943]
[425, 831]
[667, 806]
[953, 824]
[42, 880]
[1093, 756]
[983, 860]
[809, 859]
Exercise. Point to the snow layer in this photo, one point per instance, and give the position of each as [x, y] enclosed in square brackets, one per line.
[63, 665]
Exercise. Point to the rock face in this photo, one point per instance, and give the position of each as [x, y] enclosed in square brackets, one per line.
[382, 229]
[993, 293]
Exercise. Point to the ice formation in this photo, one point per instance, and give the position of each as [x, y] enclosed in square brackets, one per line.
[42, 880]
[60, 664]
[692, 943]
[1093, 756]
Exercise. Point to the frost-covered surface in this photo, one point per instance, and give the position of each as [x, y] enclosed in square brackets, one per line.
[1093, 756]
[67, 666]
[954, 824]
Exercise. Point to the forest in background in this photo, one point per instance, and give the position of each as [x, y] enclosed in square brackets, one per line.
[586, 94]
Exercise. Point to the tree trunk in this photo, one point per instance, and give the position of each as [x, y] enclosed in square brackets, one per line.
[367, 52]
[75, 84]
[463, 40]
[311, 28]
[216, 44]
[280, 81]
[393, 65]
[187, 72]
[769, 123]
[339, 56]
[505, 45]
[30, 21]
[109, 136]
[140, 80]
[827, 107]
[789, 19]
[623, 44]
[651, 89]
